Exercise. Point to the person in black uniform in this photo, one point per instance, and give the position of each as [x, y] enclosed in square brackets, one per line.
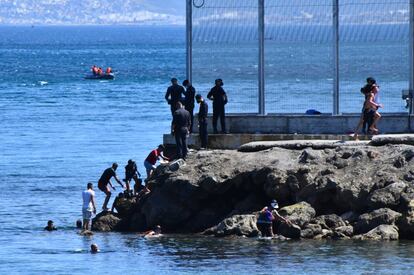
[202, 121]
[189, 100]
[174, 94]
[105, 180]
[131, 172]
[181, 125]
[219, 97]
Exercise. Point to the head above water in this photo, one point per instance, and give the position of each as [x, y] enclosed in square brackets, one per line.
[49, 223]
[174, 81]
[114, 165]
[89, 185]
[94, 248]
[78, 224]
[157, 229]
[371, 80]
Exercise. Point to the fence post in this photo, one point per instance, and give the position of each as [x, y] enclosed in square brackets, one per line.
[411, 57]
[261, 15]
[335, 15]
[189, 40]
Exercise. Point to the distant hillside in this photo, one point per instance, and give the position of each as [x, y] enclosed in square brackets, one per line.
[92, 12]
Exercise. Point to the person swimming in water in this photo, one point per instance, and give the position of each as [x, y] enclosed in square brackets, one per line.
[153, 233]
[94, 248]
[50, 226]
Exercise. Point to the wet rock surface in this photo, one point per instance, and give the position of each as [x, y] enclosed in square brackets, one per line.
[326, 190]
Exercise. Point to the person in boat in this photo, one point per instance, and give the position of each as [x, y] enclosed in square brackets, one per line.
[94, 70]
[100, 72]
[108, 70]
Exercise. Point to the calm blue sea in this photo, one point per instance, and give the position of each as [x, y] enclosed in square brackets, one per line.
[59, 131]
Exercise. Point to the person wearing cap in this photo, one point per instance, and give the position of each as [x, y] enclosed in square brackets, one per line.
[152, 159]
[202, 121]
[174, 94]
[181, 129]
[89, 205]
[105, 180]
[219, 97]
[189, 100]
[131, 172]
[50, 226]
[266, 217]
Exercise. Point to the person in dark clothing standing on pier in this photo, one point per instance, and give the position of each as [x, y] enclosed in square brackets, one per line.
[174, 94]
[181, 127]
[219, 97]
[202, 121]
[189, 100]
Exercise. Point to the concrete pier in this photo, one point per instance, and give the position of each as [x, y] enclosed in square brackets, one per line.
[244, 128]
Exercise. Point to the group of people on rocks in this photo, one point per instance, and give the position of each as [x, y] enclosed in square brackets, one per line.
[98, 70]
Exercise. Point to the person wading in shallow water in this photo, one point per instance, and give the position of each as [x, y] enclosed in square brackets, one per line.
[266, 217]
[89, 205]
[105, 180]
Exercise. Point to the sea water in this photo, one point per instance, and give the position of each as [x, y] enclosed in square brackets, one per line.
[59, 131]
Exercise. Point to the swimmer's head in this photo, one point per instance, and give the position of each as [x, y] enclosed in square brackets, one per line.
[94, 248]
[79, 224]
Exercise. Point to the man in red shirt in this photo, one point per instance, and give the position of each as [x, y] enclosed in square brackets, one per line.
[152, 158]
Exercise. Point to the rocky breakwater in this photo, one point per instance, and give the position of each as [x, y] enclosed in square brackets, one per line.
[328, 190]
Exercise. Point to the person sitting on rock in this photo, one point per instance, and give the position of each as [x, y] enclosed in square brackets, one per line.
[152, 158]
[266, 217]
[50, 226]
[153, 233]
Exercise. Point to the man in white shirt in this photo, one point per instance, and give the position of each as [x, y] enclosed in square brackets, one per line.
[89, 205]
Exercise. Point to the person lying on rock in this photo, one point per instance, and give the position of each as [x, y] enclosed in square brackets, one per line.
[50, 226]
[266, 217]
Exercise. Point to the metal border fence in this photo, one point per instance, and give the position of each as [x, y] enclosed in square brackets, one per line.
[337, 35]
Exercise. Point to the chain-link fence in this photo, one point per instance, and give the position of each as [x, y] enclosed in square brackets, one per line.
[299, 55]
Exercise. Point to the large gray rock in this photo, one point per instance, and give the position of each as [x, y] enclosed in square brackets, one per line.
[383, 232]
[311, 230]
[381, 140]
[368, 221]
[299, 213]
[388, 196]
[329, 221]
[240, 225]
[105, 222]
[289, 231]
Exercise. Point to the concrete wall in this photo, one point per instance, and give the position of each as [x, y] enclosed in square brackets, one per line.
[309, 124]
